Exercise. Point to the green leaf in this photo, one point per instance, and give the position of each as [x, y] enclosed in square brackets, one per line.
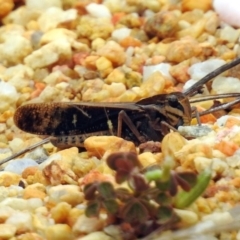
[90, 191]
[134, 212]
[110, 205]
[138, 183]
[164, 214]
[186, 180]
[93, 209]
[123, 194]
[153, 175]
[163, 185]
[106, 190]
[184, 199]
[163, 198]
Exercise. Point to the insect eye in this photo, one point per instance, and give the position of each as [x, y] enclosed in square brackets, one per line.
[172, 100]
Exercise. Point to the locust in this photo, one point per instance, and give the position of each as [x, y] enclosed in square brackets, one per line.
[69, 124]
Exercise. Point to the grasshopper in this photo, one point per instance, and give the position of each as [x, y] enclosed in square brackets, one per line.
[69, 124]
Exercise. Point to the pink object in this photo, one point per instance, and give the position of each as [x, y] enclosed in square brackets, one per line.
[229, 11]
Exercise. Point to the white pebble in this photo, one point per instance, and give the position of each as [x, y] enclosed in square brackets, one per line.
[200, 70]
[219, 218]
[229, 34]
[228, 11]
[21, 220]
[49, 53]
[226, 85]
[98, 10]
[163, 68]
[121, 33]
[8, 96]
[16, 144]
[87, 225]
[53, 16]
[43, 4]
[18, 166]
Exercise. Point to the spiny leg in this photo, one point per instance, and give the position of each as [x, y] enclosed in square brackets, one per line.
[123, 117]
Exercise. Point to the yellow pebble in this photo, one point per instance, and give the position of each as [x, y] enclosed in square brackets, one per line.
[59, 232]
[104, 66]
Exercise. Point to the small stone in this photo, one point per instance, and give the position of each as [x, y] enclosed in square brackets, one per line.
[8, 96]
[111, 50]
[34, 175]
[172, 143]
[19, 165]
[225, 84]
[58, 232]
[96, 236]
[163, 25]
[60, 212]
[21, 204]
[183, 49]
[187, 217]
[229, 34]
[99, 145]
[7, 231]
[116, 76]
[30, 192]
[94, 28]
[194, 131]
[43, 5]
[65, 193]
[22, 221]
[147, 159]
[104, 66]
[14, 49]
[48, 54]
[57, 169]
[98, 10]
[88, 225]
[54, 16]
[7, 179]
[189, 5]
[153, 85]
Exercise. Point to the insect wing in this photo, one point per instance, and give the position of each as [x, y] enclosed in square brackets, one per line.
[59, 119]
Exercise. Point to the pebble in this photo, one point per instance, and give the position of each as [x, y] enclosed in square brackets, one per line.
[65, 193]
[48, 54]
[8, 96]
[189, 5]
[102, 145]
[229, 13]
[58, 232]
[22, 221]
[19, 165]
[109, 50]
[8, 178]
[229, 34]
[88, 225]
[7, 231]
[20, 204]
[95, 236]
[98, 10]
[225, 84]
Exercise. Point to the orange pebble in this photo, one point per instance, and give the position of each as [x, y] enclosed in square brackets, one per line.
[117, 17]
[39, 88]
[228, 148]
[130, 42]
[236, 182]
[232, 121]
[208, 118]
